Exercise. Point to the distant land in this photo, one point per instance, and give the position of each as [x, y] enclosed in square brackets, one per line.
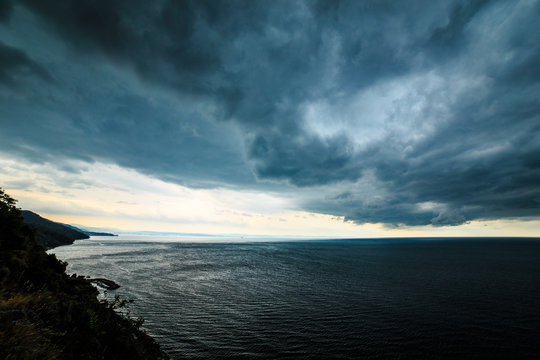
[50, 234]
[88, 232]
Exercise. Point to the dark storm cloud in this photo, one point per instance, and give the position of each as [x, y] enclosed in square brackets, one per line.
[94, 24]
[470, 152]
[6, 7]
[452, 32]
[311, 162]
[159, 39]
[15, 64]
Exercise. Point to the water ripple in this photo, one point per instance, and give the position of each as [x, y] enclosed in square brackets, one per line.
[409, 299]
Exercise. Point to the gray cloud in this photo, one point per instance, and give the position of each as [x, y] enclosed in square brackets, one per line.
[433, 103]
[451, 33]
[304, 161]
[6, 7]
[15, 64]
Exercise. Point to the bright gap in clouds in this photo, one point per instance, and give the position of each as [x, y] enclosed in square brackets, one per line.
[108, 196]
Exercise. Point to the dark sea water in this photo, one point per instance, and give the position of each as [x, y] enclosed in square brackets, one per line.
[372, 299]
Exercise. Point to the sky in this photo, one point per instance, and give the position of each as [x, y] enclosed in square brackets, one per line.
[315, 118]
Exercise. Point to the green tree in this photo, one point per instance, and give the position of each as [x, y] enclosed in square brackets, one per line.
[13, 232]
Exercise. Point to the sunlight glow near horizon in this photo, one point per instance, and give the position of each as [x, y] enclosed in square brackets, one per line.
[108, 196]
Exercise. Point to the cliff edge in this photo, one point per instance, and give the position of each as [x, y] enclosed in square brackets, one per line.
[46, 314]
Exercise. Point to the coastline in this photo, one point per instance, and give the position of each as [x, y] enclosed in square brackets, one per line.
[47, 314]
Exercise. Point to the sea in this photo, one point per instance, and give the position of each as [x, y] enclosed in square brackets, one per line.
[411, 298]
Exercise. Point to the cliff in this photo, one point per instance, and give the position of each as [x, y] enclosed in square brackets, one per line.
[46, 314]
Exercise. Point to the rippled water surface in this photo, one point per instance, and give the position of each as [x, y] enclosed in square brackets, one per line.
[372, 299]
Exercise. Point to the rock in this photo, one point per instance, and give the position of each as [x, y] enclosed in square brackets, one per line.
[105, 283]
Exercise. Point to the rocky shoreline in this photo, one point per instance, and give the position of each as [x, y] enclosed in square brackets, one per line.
[47, 314]
[104, 283]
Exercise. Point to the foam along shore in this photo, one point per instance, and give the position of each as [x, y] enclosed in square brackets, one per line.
[105, 283]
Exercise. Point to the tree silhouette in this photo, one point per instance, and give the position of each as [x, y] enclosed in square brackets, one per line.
[13, 232]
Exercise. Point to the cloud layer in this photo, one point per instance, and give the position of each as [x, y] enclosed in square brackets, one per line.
[401, 113]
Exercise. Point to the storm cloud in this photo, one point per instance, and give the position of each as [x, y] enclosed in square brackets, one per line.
[411, 113]
[15, 64]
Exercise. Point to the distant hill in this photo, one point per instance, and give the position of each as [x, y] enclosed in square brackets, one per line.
[89, 233]
[94, 233]
[50, 234]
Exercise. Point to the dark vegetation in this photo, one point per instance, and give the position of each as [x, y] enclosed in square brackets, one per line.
[46, 314]
[50, 234]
